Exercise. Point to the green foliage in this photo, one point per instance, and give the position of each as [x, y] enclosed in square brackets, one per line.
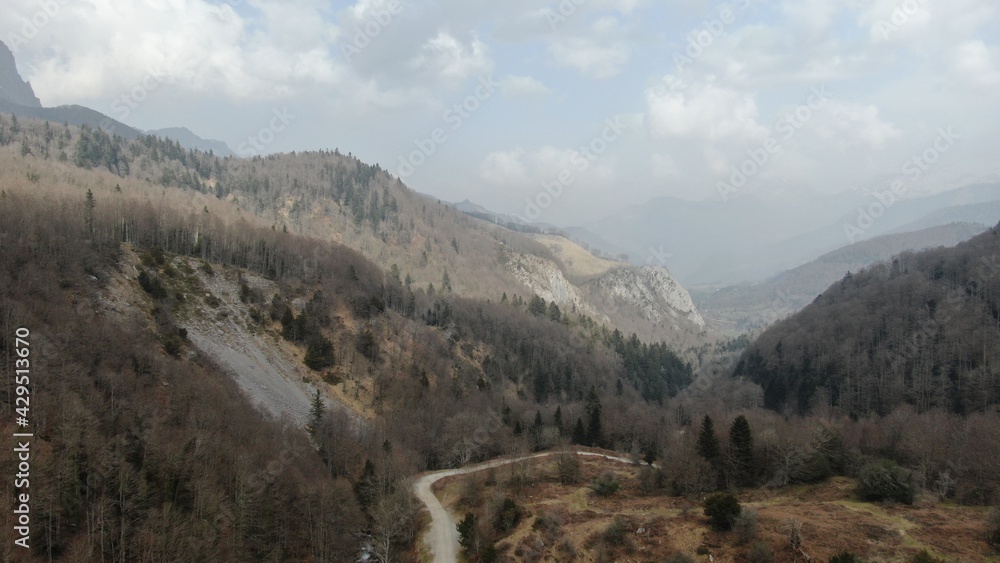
[708, 443]
[924, 557]
[319, 353]
[605, 484]
[654, 369]
[579, 433]
[537, 306]
[845, 557]
[467, 532]
[152, 285]
[595, 432]
[507, 515]
[882, 480]
[316, 411]
[993, 527]
[741, 444]
[722, 510]
[616, 532]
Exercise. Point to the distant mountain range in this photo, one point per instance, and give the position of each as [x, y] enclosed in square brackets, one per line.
[747, 306]
[716, 243]
[18, 98]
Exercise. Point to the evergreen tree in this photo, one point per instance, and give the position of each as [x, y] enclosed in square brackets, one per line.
[741, 444]
[316, 412]
[88, 210]
[557, 419]
[708, 443]
[579, 434]
[319, 353]
[595, 434]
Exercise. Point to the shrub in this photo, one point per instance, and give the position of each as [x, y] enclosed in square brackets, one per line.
[885, 480]
[845, 557]
[680, 557]
[507, 516]
[568, 468]
[745, 525]
[925, 557]
[993, 527]
[760, 552]
[722, 509]
[606, 484]
[614, 534]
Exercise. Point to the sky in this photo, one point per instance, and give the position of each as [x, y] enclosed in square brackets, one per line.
[560, 111]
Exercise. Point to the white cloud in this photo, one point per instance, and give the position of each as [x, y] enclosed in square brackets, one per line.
[600, 53]
[975, 60]
[445, 56]
[703, 111]
[524, 86]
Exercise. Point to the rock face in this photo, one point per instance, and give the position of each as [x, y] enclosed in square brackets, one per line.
[12, 88]
[653, 291]
[547, 281]
[644, 299]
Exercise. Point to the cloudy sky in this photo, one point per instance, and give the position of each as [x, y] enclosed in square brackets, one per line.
[561, 111]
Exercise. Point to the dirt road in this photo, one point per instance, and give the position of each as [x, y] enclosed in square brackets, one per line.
[442, 537]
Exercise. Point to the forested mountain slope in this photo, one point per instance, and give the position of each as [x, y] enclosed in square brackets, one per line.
[923, 329]
[335, 197]
[148, 448]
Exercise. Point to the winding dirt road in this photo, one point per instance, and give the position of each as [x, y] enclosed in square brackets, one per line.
[442, 537]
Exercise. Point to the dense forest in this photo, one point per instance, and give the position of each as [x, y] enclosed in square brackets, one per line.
[922, 329]
[148, 450]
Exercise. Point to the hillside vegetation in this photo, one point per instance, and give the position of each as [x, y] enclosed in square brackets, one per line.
[922, 330]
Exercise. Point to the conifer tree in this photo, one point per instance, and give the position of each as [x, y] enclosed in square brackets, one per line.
[741, 444]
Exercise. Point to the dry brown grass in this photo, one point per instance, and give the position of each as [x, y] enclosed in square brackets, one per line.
[659, 526]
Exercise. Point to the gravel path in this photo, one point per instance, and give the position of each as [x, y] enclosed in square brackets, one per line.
[442, 537]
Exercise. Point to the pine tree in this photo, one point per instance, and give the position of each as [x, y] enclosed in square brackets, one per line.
[88, 211]
[741, 444]
[557, 419]
[708, 443]
[316, 412]
[595, 434]
[579, 434]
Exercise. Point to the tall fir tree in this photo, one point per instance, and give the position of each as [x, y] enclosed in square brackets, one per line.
[708, 442]
[741, 445]
[595, 434]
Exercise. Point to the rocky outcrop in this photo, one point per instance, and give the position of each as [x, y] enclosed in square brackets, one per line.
[652, 291]
[12, 88]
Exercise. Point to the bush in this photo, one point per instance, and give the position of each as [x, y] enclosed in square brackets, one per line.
[993, 527]
[605, 485]
[885, 480]
[745, 525]
[845, 557]
[925, 557]
[722, 509]
[680, 557]
[568, 468]
[507, 516]
[615, 533]
[760, 552]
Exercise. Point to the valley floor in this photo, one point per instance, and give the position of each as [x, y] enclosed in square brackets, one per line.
[571, 523]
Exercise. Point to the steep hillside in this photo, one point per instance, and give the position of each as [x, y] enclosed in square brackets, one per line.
[745, 307]
[12, 88]
[421, 242]
[923, 329]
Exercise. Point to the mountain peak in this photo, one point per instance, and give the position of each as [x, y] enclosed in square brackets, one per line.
[12, 87]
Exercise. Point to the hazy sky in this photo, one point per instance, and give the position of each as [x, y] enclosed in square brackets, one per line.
[580, 106]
